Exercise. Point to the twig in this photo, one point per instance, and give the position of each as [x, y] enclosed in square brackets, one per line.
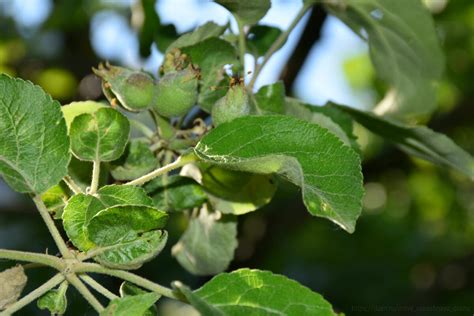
[97, 286]
[38, 258]
[72, 185]
[95, 177]
[84, 291]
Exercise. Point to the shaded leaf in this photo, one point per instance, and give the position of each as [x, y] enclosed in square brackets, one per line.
[136, 305]
[112, 195]
[54, 300]
[175, 193]
[211, 56]
[55, 199]
[34, 147]
[129, 289]
[12, 283]
[404, 50]
[419, 141]
[255, 292]
[270, 99]
[101, 135]
[260, 38]
[248, 12]
[136, 161]
[306, 154]
[208, 244]
[81, 173]
[200, 34]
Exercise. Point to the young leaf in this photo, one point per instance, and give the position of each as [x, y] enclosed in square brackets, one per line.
[112, 195]
[248, 12]
[12, 283]
[419, 141]
[404, 50]
[202, 33]
[76, 216]
[211, 55]
[235, 192]
[131, 305]
[101, 135]
[54, 300]
[270, 99]
[129, 289]
[129, 233]
[208, 244]
[34, 147]
[255, 292]
[260, 38]
[175, 193]
[337, 122]
[73, 109]
[55, 199]
[306, 154]
[136, 161]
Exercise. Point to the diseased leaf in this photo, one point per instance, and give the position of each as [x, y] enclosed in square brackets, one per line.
[101, 135]
[136, 305]
[260, 38]
[76, 216]
[208, 244]
[136, 161]
[270, 99]
[306, 154]
[129, 233]
[211, 56]
[54, 300]
[175, 193]
[337, 122]
[73, 109]
[255, 292]
[404, 50]
[235, 192]
[112, 195]
[12, 283]
[202, 33]
[419, 141]
[34, 147]
[248, 12]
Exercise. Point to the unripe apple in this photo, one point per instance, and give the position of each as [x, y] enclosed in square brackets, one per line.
[231, 106]
[134, 90]
[177, 92]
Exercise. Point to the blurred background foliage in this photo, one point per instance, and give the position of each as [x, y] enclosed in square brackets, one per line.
[414, 244]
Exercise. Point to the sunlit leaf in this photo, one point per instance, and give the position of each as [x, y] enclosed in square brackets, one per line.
[270, 99]
[248, 12]
[34, 147]
[131, 305]
[306, 154]
[255, 292]
[202, 33]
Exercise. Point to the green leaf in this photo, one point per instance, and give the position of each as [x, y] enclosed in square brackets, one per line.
[255, 292]
[54, 300]
[34, 147]
[55, 199]
[77, 215]
[260, 38]
[211, 56]
[136, 161]
[208, 244]
[136, 305]
[129, 289]
[81, 173]
[202, 33]
[175, 193]
[101, 135]
[129, 233]
[270, 99]
[112, 195]
[12, 283]
[404, 50]
[337, 122]
[419, 141]
[236, 192]
[306, 154]
[73, 109]
[248, 12]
